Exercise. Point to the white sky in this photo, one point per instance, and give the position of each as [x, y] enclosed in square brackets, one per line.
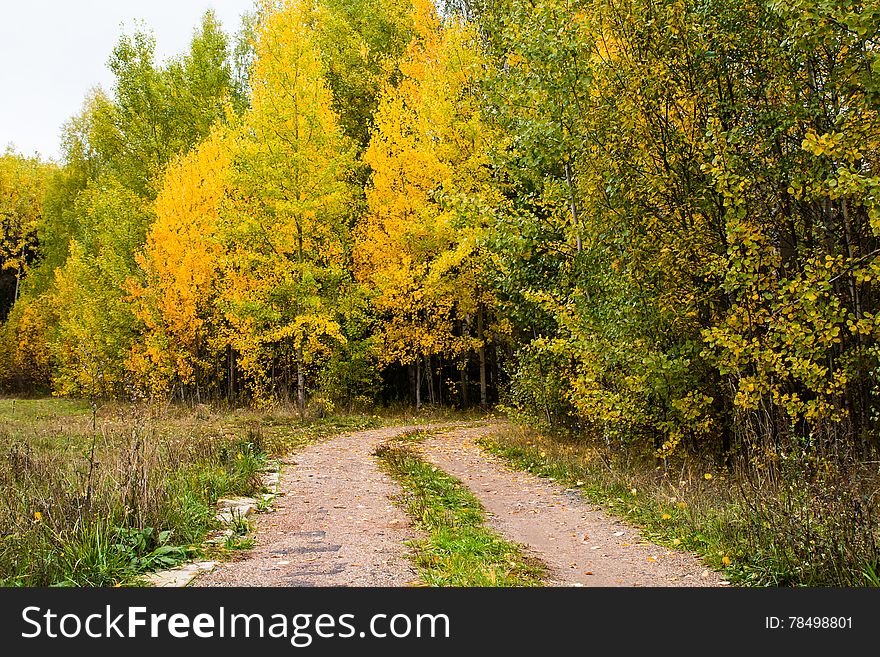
[52, 52]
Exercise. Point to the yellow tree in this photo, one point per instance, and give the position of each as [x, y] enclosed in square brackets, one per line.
[181, 264]
[285, 232]
[22, 188]
[24, 356]
[418, 246]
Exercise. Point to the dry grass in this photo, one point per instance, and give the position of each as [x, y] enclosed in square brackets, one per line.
[95, 496]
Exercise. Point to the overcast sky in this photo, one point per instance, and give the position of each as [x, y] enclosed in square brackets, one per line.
[52, 52]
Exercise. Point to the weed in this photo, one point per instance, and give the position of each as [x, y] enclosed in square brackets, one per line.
[87, 493]
[237, 542]
[264, 503]
[240, 525]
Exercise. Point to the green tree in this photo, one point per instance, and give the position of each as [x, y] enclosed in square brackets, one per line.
[285, 230]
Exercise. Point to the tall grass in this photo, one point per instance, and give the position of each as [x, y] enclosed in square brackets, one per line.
[95, 496]
[89, 501]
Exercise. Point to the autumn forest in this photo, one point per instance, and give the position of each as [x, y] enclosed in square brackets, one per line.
[653, 225]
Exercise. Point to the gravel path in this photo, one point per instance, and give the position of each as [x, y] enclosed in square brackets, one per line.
[580, 543]
[334, 525]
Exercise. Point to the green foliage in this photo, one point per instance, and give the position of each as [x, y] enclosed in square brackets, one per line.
[157, 112]
[688, 233]
[359, 41]
[137, 544]
[74, 315]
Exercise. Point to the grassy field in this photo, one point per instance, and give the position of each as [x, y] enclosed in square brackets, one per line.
[807, 529]
[459, 550]
[95, 496]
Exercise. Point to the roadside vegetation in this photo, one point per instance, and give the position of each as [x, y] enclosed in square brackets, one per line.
[96, 497]
[757, 531]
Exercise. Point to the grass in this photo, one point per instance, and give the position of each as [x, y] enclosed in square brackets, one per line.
[459, 550]
[242, 537]
[800, 534]
[398, 415]
[97, 496]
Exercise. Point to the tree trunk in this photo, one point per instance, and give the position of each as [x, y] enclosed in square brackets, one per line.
[464, 383]
[287, 369]
[495, 379]
[429, 371]
[440, 381]
[229, 381]
[18, 276]
[300, 384]
[418, 385]
[484, 401]
[464, 366]
[198, 370]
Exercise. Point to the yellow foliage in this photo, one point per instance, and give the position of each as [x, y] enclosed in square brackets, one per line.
[181, 263]
[428, 197]
[284, 227]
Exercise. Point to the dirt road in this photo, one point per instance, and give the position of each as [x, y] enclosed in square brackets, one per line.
[336, 525]
[580, 543]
